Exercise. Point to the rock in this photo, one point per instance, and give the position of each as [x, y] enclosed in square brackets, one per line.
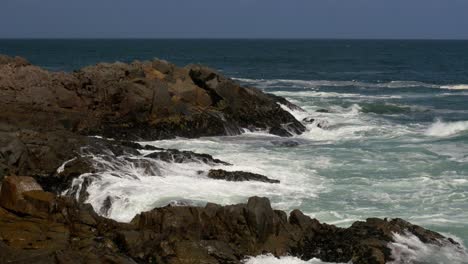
[25, 196]
[322, 111]
[45, 117]
[61, 180]
[177, 156]
[142, 100]
[280, 131]
[238, 176]
[74, 233]
[318, 123]
[308, 120]
[287, 143]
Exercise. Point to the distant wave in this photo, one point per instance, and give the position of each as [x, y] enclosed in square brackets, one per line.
[455, 87]
[272, 83]
[446, 129]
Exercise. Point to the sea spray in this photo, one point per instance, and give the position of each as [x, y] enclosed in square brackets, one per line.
[446, 129]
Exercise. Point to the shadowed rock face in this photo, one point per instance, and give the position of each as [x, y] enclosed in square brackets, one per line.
[60, 230]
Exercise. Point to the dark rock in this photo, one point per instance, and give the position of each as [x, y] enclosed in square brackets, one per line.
[69, 232]
[287, 143]
[308, 120]
[177, 156]
[62, 179]
[46, 116]
[238, 176]
[12, 194]
[318, 123]
[322, 111]
[280, 131]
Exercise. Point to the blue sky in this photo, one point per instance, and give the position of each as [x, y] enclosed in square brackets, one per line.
[438, 19]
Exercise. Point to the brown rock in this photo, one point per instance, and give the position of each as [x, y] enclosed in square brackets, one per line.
[25, 196]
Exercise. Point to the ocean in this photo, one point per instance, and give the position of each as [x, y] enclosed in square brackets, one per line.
[393, 140]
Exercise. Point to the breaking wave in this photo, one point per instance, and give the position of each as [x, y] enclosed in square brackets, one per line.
[446, 129]
[275, 83]
[455, 87]
[407, 248]
[270, 259]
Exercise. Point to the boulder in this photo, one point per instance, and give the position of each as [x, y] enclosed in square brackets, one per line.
[25, 196]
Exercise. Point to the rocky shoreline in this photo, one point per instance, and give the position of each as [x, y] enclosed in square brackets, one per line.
[53, 123]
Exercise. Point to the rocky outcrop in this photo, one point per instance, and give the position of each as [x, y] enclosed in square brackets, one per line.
[46, 116]
[46, 120]
[239, 176]
[142, 100]
[60, 230]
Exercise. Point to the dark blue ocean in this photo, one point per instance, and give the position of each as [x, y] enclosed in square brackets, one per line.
[393, 140]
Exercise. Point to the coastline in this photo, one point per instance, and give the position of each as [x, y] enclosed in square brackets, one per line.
[47, 119]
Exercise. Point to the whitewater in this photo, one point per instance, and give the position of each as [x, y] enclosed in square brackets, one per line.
[365, 154]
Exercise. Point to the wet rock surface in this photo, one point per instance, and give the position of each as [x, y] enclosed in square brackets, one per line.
[177, 156]
[239, 176]
[60, 230]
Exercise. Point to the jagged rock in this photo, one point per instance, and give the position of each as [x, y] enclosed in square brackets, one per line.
[238, 176]
[63, 177]
[177, 156]
[45, 115]
[140, 100]
[69, 232]
[63, 232]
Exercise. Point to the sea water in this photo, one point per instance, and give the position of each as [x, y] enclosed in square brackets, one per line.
[392, 142]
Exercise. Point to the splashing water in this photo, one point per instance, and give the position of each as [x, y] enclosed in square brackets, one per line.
[446, 129]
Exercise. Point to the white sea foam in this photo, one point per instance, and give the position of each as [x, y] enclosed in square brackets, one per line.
[134, 189]
[455, 87]
[357, 165]
[269, 259]
[275, 83]
[62, 167]
[445, 129]
[408, 248]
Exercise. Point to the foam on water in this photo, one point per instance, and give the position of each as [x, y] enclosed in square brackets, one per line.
[274, 83]
[269, 259]
[407, 248]
[134, 189]
[455, 87]
[370, 157]
[446, 129]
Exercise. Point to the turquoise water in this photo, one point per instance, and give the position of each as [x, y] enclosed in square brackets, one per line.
[393, 142]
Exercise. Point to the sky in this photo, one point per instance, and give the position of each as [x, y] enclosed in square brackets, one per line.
[387, 19]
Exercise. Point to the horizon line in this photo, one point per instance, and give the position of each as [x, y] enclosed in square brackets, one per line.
[225, 38]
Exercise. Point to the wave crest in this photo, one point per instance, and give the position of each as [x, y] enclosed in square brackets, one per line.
[273, 83]
[408, 248]
[446, 129]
